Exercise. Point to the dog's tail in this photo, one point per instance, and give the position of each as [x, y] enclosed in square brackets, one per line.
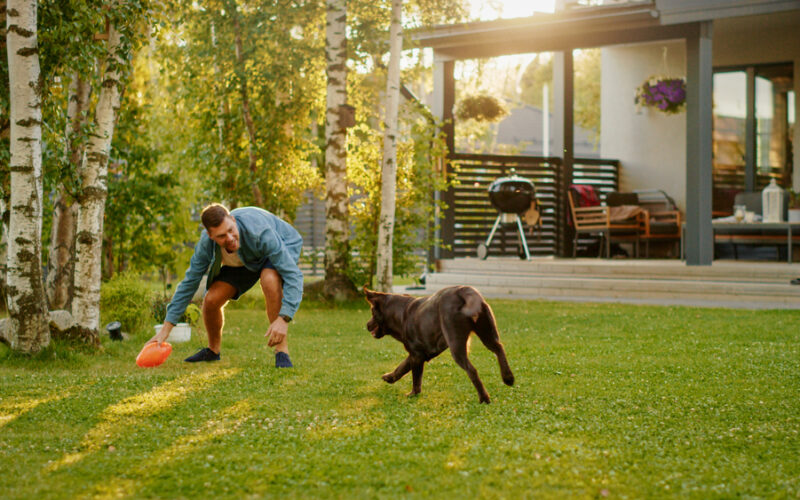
[473, 302]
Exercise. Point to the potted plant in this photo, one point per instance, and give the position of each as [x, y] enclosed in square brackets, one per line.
[182, 331]
[794, 205]
[665, 94]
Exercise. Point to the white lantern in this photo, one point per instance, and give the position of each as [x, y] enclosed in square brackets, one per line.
[772, 201]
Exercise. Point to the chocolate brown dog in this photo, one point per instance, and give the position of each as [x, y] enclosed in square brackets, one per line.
[427, 326]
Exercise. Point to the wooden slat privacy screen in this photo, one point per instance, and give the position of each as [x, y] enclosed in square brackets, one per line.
[474, 215]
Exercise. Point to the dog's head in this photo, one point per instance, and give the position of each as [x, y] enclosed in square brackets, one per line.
[377, 324]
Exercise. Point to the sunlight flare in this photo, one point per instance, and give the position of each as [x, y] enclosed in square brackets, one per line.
[130, 411]
[11, 410]
[230, 420]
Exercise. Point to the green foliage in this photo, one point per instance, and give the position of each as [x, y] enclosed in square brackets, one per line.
[587, 86]
[124, 298]
[794, 198]
[147, 212]
[158, 307]
[282, 72]
[158, 310]
[534, 77]
[192, 314]
[588, 69]
[482, 108]
[418, 176]
[611, 400]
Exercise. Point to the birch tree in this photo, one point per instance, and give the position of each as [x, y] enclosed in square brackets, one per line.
[60, 269]
[27, 330]
[93, 193]
[337, 285]
[5, 130]
[389, 163]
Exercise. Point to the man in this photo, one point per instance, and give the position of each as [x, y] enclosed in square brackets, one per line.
[236, 250]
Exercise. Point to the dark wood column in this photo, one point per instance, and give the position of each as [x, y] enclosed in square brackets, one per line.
[750, 133]
[699, 236]
[444, 97]
[565, 139]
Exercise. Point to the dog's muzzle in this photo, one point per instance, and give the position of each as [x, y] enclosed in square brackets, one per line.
[374, 328]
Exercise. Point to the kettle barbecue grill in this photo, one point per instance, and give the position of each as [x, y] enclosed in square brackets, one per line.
[512, 196]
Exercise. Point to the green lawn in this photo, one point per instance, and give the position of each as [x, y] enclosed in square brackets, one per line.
[611, 400]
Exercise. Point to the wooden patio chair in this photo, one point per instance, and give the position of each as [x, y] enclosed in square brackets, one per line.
[660, 220]
[597, 220]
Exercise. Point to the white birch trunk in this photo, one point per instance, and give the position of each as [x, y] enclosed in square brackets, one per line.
[92, 198]
[28, 330]
[389, 167]
[336, 285]
[60, 269]
[4, 218]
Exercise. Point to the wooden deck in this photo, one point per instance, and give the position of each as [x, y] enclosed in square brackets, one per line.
[736, 284]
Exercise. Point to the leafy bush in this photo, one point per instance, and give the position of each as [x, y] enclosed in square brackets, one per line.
[418, 177]
[158, 310]
[124, 298]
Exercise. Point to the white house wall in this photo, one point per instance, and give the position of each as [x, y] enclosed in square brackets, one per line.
[650, 145]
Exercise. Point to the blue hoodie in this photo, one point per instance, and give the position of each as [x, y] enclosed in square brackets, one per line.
[262, 236]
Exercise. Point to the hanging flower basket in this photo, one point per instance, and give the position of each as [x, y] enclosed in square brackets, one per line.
[667, 95]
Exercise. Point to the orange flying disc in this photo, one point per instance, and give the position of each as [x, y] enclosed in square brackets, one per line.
[153, 354]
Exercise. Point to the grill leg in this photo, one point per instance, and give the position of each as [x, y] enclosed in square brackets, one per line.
[491, 233]
[522, 238]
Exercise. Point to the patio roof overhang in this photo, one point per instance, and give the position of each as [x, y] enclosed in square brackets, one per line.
[575, 29]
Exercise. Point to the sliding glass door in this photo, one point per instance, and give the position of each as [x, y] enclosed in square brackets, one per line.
[753, 129]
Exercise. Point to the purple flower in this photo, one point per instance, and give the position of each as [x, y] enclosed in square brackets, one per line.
[667, 94]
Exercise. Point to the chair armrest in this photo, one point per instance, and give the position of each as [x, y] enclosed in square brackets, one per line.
[590, 216]
[673, 216]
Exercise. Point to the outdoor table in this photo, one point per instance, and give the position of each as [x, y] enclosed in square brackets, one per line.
[790, 228]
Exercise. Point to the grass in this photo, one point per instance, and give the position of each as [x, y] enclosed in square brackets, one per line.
[615, 401]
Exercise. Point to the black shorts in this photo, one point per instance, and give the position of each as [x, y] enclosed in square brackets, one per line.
[241, 278]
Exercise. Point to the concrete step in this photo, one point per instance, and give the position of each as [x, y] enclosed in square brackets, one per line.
[733, 271]
[740, 285]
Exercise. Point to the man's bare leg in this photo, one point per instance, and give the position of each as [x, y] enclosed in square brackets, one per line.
[272, 286]
[219, 293]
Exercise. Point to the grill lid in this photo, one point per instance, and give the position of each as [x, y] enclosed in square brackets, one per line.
[512, 194]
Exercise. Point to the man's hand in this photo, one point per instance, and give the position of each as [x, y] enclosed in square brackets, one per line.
[277, 331]
[162, 334]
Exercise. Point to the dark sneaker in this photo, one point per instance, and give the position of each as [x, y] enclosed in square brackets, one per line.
[282, 360]
[795, 281]
[204, 354]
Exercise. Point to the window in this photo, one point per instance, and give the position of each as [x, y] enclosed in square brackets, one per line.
[753, 120]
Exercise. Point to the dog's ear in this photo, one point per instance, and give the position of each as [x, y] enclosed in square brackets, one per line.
[371, 295]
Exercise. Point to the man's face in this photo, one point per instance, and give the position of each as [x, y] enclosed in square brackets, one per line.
[226, 234]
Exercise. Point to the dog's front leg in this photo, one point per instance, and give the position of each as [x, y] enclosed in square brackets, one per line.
[398, 372]
[416, 373]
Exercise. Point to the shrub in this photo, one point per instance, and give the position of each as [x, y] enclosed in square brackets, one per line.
[124, 298]
[158, 310]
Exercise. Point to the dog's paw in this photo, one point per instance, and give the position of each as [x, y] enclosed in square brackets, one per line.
[485, 399]
[389, 378]
[412, 394]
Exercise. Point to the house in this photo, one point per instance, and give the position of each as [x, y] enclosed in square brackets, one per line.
[524, 127]
[740, 59]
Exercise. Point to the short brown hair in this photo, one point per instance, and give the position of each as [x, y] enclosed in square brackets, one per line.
[213, 215]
